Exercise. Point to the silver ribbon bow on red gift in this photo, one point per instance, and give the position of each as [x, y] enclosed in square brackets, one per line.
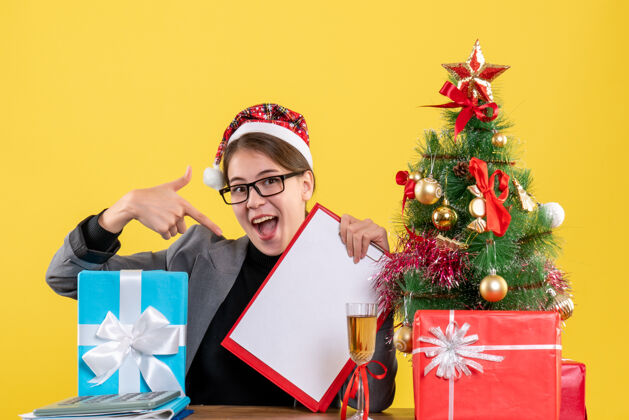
[453, 352]
[150, 334]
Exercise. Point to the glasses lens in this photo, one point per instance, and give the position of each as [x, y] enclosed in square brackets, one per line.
[236, 194]
[271, 185]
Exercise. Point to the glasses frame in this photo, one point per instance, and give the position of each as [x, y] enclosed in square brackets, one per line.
[249, 185]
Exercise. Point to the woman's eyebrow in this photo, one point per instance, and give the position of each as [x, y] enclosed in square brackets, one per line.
[264, 172]
[267, 171]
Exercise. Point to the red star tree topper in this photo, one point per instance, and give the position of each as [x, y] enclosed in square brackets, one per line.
[475, 75]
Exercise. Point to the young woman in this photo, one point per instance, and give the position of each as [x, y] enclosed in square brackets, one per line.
[268, 169]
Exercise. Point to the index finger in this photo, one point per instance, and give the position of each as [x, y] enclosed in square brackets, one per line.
[202, 218]
[343, 227]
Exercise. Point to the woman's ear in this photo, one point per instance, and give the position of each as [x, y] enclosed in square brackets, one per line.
[307, 185]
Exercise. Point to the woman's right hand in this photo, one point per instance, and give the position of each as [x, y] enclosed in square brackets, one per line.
[159, 208]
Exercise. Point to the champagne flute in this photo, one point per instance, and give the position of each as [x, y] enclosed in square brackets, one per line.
[361, 335]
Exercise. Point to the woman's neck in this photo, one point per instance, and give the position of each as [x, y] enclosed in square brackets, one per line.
[259, 258]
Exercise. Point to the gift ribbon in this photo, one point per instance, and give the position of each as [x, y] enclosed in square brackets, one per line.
[402, 178]
[360, 374]
[150, 335]
[453, 346]
[128, 345]
[498, 217]
[469, 107]
[453, 353]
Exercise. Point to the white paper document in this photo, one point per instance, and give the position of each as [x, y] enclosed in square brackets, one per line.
[297, 326]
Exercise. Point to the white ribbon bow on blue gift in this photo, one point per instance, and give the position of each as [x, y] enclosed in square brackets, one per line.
[149, 335]
[452, 351]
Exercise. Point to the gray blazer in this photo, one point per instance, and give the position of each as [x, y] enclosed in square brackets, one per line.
[212, 264]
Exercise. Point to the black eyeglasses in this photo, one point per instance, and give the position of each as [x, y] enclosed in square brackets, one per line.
[265, 187]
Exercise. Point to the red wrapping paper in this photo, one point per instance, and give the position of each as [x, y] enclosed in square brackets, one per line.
[572, 391]
[524, 385]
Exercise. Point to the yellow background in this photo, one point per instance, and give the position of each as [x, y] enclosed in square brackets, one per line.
[97, 98]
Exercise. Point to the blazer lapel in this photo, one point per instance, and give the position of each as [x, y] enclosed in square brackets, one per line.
[212, 277]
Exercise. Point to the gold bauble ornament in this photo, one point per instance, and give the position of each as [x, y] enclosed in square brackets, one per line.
[415, 176]
[428, 191]
[493, 288]
[499, 140]
[562, 303]
[477, 207]
[403, 339]
[444, 217]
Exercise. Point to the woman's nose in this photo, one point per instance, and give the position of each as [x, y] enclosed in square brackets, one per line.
[255, 200]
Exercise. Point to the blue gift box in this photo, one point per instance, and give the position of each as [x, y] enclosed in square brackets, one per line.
[131, 331]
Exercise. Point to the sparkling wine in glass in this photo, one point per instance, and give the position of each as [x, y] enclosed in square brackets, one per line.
[361, 336]
[361, 331]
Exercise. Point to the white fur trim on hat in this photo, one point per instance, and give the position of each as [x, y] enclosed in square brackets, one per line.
[275, 130]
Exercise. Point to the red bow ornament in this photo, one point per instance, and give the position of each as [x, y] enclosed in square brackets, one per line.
[498, 217]
[469, 107]
[403, 178]
[360, 374]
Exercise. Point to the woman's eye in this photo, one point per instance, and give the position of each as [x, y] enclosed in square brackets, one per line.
[240, 189]
[271, 181]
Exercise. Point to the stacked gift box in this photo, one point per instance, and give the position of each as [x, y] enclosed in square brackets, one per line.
[145, 308]
[493, 364]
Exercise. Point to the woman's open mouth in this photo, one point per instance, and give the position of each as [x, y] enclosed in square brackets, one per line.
[265, 226]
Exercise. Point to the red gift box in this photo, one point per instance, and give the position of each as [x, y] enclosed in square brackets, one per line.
[486, 365]
[572, 391]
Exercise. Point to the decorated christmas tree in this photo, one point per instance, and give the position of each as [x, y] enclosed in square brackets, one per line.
[472, 236]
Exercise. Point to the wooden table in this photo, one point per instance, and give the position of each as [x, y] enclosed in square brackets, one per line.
[229, 412]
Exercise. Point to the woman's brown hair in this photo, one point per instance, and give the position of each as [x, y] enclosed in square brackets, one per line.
[276, 149]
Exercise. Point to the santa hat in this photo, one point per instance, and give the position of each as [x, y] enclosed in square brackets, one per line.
[266, 118]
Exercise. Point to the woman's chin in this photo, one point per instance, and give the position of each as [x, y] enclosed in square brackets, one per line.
[272, 247]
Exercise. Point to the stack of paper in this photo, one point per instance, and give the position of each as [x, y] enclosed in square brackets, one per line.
[173, 410]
